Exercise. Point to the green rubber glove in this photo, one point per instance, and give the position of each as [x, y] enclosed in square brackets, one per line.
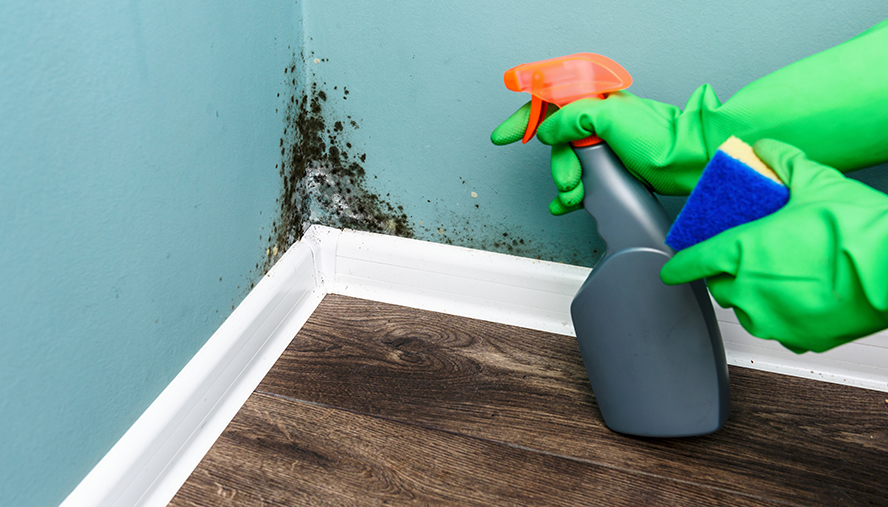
[812, 275]
[566, 169]
[832, 105]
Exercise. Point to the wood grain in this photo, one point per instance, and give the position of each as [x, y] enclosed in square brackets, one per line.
[284, 452]
[788, 439]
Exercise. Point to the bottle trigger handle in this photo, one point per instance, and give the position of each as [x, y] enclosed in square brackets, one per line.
[563, 80]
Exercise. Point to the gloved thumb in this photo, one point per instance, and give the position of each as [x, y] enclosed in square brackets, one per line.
[513, 128]
[790, 163]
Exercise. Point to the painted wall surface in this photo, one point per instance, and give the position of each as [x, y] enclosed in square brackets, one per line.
[140, 144]
[424, 83]
[138, 152]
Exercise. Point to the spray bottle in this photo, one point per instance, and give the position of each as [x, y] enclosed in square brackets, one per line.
[653, 353]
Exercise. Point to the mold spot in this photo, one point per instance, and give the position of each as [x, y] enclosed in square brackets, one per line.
[323, 179]
[479, 229]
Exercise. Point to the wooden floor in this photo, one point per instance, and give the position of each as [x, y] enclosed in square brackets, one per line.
[374, 404]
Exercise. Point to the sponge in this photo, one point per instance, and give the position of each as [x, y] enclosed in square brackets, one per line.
[736, 187]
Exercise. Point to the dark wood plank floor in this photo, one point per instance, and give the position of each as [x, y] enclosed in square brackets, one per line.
[379, 404]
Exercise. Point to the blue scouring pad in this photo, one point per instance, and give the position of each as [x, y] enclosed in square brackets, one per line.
[734, 189]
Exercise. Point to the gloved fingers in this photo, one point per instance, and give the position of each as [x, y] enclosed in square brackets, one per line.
[750, 318]
[513, 128]
[572, 197]
[570, 123]
[556, 207]
[566, 169]
[721, 287]
[717, 255]
[794, 347]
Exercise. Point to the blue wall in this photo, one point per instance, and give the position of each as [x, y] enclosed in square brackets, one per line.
[425, 83]
[138, 144]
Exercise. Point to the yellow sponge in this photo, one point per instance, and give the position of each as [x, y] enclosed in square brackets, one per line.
[741, 151]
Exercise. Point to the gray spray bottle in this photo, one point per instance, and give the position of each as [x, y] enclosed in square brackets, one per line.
[653, 353]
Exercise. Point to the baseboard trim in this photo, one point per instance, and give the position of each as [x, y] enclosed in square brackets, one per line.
[158, 453]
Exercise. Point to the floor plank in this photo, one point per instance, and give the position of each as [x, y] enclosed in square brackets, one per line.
[788, 439]
[285, 452]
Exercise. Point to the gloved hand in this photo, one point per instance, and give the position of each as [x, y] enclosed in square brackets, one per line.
[812, 275]
[566, 169]
[657, 142]
[832, 105]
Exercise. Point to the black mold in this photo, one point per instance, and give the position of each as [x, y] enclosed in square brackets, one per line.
[321, 182]
[480, 230]
[324, 182]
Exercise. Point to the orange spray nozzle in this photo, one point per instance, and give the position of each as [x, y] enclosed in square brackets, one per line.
[563, 80]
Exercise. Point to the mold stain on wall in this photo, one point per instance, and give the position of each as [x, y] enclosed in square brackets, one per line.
[322, 172]
[467, 221]
[323, 181]
[485, 234]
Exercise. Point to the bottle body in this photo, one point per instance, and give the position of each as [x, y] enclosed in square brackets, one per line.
[653, 352]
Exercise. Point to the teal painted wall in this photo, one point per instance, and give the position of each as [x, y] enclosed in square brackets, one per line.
[425, 85]
[138, 144]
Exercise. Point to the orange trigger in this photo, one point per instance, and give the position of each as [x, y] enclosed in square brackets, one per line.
[538, 109]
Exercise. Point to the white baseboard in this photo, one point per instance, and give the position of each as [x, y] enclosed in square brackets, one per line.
[537, 294]
[155, 456]
[158, 453]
